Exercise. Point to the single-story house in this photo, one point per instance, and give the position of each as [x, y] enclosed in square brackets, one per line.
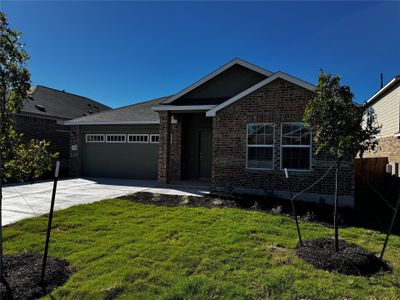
[386, 105]
[44, 112]
[237, 129]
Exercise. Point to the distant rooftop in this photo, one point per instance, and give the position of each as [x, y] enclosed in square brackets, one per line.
[49, 102]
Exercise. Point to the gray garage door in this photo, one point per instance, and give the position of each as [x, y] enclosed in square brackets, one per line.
[120, 155]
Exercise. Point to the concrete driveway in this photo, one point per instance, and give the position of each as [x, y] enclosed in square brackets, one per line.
[29, 200]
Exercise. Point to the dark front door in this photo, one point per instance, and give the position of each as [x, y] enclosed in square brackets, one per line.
[205, 153]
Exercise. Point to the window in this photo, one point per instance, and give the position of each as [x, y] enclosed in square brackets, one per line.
[260, 146]
[138, 138]
[154, 138]
[94, 138]
[295, 147]
[116, 138]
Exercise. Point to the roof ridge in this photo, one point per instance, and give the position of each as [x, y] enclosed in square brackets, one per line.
[135, 104]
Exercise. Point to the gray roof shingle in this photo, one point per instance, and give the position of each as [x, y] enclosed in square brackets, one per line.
[49, 102]
[140, 113]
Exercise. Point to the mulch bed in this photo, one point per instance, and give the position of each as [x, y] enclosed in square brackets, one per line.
[350, 260]
[174, 200]
[23, 275]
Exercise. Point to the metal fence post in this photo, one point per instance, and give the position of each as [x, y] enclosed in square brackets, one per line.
[46, 247]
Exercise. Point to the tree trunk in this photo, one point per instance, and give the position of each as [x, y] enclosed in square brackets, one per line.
[335, 214]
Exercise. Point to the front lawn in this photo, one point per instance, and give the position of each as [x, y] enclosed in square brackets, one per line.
[122, 249]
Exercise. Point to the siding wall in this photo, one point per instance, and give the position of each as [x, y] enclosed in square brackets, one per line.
[387, 112]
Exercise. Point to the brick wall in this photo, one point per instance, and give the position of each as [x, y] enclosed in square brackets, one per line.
[41, 128]
[278, 102]
[387, 147]
[176, 152]
[75, 155]
[164, 148]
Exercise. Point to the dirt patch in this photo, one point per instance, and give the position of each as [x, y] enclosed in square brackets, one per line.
[350, 260]
[23, 275]
[174, 200]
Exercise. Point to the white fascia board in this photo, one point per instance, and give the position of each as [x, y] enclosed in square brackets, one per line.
[182, 107]
[382, 90]
[217, 72]
[294, 80]
[77, 122]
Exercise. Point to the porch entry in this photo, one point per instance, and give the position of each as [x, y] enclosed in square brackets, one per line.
[205, 153]
[196, 147]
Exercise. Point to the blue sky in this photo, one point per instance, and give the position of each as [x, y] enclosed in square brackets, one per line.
[123, 52]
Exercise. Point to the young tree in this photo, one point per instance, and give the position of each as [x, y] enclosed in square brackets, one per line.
[340, 127]
[30, 161]
[16, 159]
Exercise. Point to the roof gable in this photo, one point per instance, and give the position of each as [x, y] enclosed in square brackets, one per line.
[212, 112]
[217, 87]
[387, 88]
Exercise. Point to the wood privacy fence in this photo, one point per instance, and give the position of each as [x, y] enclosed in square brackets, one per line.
[371, 171]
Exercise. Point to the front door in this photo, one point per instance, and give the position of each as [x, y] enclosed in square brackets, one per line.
[205, 154]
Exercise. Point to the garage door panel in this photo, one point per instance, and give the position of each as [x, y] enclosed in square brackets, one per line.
[124, 160]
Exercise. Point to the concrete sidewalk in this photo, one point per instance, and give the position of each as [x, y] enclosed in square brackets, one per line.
[29, 200]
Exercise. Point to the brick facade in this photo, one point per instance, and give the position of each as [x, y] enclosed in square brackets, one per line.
[75, 155]
[278, 102]
[165, 148]
[176, 152]
[387, 147]
[33, 127]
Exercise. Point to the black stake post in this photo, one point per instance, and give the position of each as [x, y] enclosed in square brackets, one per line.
[46, 247]
[390, 228]
[293, 207]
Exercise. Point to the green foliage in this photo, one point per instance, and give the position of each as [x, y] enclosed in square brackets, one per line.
[31, 160]
[337, 122]
[128, 250]
[19, 160]
[14, 76]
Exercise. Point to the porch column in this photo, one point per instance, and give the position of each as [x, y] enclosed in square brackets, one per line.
[164, 147]
[175, 163]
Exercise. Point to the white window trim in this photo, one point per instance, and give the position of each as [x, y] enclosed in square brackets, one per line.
[94, 134]
[295, 146]
[151, 135]
[138, 142]
[116, 142]
[264, 146]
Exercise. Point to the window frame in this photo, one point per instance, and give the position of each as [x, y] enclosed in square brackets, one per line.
[260, 146]
[115, 134]
[95, 134]
[154, 134]
[295, 146]
[137, 142]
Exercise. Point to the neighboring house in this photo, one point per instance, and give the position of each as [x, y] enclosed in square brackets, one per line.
[44, 113]
[237, 128]
[386, 104]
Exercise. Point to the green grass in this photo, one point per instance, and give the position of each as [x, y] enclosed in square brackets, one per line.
[132, 251]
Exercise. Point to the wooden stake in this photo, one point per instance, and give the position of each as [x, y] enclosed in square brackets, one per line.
[293, 207]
